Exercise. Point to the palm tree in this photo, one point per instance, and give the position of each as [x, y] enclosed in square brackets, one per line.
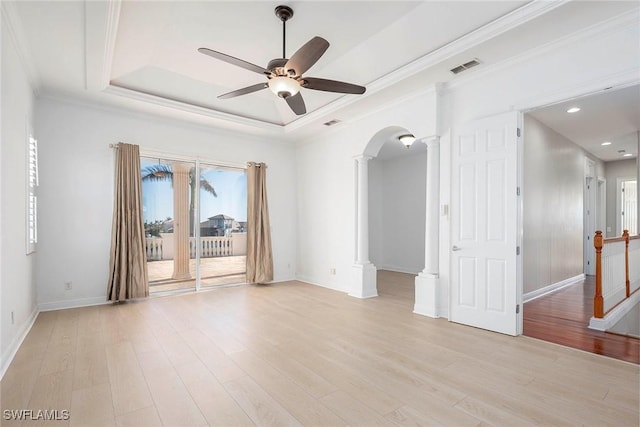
[164, 172]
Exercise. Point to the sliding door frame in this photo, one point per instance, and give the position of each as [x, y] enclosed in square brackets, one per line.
[197, 160]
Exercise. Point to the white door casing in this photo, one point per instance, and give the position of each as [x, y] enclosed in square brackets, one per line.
[484, 224]
[590, 185]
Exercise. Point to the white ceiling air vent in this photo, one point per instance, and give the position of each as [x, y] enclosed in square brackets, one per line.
[331, 122]
[465, 66]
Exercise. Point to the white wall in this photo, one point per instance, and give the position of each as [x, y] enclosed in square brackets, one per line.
[17, 283]
[76, 189]
[614, 171]
[397, 201]
[327, 181]
[553, 218]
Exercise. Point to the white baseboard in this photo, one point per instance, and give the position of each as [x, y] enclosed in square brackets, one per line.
[397, 269]
[8, 356]
[614, 316]
[529, 296]
[311, 281]
[74, 303]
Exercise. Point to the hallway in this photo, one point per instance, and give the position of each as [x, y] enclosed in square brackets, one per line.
[563, 317]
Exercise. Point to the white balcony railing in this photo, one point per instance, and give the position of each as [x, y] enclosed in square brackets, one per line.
[161, 248]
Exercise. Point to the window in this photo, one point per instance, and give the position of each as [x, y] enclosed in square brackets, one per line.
[32, 196]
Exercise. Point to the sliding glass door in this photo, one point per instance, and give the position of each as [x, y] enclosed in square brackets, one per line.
[195, 224]
[223, 225]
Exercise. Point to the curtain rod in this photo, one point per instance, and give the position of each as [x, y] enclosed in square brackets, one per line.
[257, 164]
[146, 155]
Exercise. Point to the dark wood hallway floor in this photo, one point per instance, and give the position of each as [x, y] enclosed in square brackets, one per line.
[563, 317]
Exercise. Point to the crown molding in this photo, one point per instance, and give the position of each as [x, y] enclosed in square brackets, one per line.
[190, 108]
[129, 111]
[613, 25]
[499, 26]
[14, 26]
[101, 30]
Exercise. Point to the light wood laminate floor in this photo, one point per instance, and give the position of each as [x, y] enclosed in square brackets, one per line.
[297, 354]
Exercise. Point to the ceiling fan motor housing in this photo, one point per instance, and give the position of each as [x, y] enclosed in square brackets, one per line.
[284, 13]
[277, 66]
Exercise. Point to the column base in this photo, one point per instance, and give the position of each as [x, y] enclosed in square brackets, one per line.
[427, 286]
[364, 281]
[182, 276]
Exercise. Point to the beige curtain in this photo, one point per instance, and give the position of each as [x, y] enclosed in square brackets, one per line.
[128, 262]
[259, 256]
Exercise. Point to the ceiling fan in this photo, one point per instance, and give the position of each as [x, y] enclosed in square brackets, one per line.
[285, 75]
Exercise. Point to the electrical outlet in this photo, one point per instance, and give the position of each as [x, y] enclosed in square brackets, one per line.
[332, 271]
[68, 286]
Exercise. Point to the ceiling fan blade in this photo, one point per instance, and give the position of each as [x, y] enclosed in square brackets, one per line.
[332, 86]
[244, 90]
[297, 104]
[234, 61]
[307, 55]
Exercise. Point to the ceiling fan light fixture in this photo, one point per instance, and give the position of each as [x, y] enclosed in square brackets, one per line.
[407, 139]
[284, 86]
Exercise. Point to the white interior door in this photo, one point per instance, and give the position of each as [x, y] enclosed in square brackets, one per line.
[484, 224]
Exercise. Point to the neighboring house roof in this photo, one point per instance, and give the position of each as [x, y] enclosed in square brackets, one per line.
[221, 216]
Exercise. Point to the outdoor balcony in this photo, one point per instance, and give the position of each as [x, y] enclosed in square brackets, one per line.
[222, 262]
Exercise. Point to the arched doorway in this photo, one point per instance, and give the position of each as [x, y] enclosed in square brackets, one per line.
[364, 284]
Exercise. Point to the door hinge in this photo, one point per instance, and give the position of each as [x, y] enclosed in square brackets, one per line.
[517, 250]
[517, 308]
[517, 191]
[518, 132]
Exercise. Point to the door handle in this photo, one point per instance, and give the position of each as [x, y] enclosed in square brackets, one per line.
[455, 248]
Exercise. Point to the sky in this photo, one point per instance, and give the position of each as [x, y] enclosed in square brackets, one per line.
[230, 185]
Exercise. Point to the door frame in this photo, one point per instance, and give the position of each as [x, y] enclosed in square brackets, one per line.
[589, 212]
[619, 182]
[601, 205]
[197, 161]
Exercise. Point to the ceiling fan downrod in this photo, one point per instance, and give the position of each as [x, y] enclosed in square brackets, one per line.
[284, 13]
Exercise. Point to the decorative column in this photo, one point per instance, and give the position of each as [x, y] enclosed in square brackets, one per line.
[181, 220]
[364, 285]
[427, 281]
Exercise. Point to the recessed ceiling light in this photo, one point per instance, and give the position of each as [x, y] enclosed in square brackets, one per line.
[627, 155]
[606, 143]
[573, 110]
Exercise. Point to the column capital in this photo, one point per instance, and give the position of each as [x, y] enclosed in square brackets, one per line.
[431, 141]
[363, 158]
